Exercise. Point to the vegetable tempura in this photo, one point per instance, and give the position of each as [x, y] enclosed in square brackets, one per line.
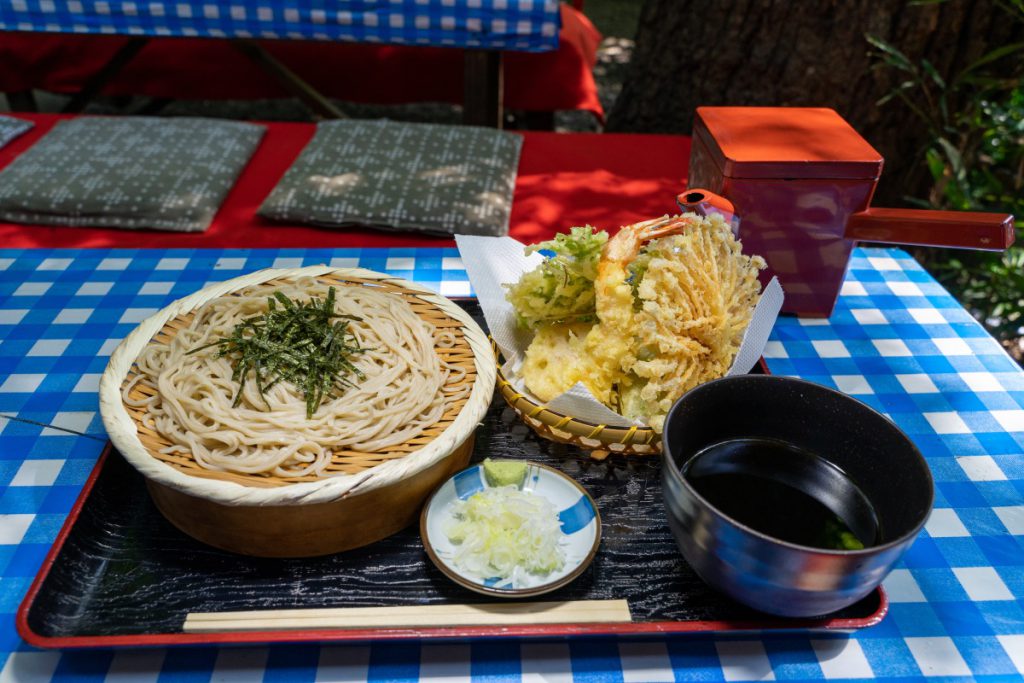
[672, 298]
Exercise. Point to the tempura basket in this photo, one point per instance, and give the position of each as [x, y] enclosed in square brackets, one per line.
[598, 440]
[370, 496]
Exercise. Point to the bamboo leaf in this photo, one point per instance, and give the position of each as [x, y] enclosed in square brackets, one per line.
[932, 72]
[956, 161]
[992, 56]
[891, 53]
[895, 92]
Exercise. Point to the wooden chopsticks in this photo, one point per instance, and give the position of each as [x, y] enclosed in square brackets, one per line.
[413, 616]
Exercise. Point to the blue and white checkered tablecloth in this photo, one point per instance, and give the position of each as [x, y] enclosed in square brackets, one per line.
[897, 341]
[525, 25]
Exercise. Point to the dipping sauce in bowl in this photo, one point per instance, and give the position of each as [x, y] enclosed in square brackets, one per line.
[784, 492]
[788, 496]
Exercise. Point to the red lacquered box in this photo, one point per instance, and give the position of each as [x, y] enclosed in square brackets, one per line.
[801, 180]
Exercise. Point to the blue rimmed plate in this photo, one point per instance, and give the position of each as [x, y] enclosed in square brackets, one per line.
[580, 521]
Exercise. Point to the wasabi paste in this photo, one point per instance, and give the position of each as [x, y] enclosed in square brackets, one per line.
[504, 472]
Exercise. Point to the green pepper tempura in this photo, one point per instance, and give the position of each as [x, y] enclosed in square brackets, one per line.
[561, 289]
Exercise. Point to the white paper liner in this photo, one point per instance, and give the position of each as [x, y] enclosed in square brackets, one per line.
[491, 262]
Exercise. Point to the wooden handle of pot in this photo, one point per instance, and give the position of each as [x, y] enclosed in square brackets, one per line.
[959, 229]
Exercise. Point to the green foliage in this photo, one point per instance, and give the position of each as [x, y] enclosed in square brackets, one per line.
[975, 156]
[617, 18]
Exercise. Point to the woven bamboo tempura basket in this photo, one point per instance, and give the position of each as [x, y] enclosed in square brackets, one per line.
[598, 440]
[370, 495]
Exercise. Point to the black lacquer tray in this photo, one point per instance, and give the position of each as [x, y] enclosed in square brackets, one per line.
[119, 574]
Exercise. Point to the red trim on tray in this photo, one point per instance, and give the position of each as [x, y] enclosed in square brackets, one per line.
[545, 631]
[363, 635]
[21, 618]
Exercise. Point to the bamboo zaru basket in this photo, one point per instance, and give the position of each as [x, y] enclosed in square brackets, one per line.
[368, 495]
[598, 440]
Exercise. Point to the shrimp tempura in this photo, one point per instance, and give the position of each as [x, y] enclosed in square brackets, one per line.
[696, 300]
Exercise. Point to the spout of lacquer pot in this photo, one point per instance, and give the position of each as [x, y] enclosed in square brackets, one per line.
[705, 203]
[957, 229]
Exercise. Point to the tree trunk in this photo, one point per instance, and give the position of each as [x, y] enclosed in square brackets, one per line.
[778, 52]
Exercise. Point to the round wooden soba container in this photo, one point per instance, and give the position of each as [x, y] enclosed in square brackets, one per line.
[373, 495]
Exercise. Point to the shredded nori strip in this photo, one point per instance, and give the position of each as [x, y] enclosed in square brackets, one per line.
[302, 342]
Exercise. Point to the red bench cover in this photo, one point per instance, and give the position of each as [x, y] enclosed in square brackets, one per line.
[198, 68]
[605, 180]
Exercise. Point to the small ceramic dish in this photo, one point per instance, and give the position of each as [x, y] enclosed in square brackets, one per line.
[581, 528]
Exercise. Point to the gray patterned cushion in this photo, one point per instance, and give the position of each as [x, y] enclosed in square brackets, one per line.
[131, 172]
[408, 176]
[11, 127]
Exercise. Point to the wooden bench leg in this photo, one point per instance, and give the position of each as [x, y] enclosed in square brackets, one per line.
[99, 80]
[483, 89]
[153, 107]
[539, 120]
[315, 101]
[22, 100]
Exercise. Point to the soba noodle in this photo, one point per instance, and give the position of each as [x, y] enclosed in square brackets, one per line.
[402, 394]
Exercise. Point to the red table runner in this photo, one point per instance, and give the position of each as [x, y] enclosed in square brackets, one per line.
[605, 180]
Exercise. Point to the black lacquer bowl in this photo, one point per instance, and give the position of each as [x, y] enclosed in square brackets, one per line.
[757, 569]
